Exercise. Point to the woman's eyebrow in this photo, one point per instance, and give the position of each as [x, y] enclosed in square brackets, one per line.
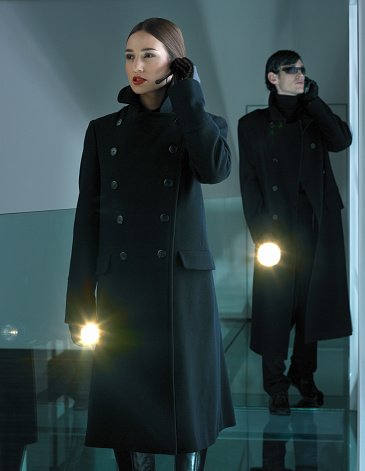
[143, 49]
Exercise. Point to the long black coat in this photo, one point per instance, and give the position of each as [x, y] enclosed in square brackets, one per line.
[159, 380]
[275, 159]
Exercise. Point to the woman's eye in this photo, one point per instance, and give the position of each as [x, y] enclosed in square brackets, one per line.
[148, 55]
[128, 56]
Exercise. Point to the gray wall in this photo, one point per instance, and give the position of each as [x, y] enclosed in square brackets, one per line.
[62, 65]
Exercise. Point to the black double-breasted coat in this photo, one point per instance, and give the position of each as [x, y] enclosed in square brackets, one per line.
[159, 380]
[278, 160]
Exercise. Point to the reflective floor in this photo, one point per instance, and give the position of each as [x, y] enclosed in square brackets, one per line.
[43, 400]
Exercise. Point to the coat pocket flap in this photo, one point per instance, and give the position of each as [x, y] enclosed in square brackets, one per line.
[197, 259]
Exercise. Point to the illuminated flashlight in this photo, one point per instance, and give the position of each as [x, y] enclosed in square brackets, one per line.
[9, 332]
[89, 334]
[268, 254]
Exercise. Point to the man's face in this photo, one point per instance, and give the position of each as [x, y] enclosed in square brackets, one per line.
[289, 80]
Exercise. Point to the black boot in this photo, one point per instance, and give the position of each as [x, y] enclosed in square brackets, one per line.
[134, 461]
[279, 404]
[143, 461]
[312, 396]
[123, 459]
[190, 461]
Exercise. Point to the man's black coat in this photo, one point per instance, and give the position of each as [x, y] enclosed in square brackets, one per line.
[276, 157]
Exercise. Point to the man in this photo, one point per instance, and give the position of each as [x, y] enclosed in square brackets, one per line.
[290, 197]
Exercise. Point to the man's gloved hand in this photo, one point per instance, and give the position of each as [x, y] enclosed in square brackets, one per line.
[182, 68]
[310, 91]
[75, 332]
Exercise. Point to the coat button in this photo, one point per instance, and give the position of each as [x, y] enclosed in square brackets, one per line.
[161, 254]
[113, 151]
[313, 145]
[119, 122]
[168, 182]
[173, 149]
[275, 217]
[123, 256]
[120, 219]
[114, 185]
[164, 217]
[275, 188]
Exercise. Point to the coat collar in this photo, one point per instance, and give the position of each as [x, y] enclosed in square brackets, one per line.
[127, 96]
[276, 115]
[274, 112]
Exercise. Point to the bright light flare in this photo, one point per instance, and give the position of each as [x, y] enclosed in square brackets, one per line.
[9, 332]
[90, 334]
[269, 254]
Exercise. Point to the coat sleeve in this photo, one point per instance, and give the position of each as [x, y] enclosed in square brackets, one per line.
[205, 135]
[80, 297]
[335, 132]
[256, 215]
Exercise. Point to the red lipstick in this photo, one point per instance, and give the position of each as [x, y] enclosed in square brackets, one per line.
[137, 80]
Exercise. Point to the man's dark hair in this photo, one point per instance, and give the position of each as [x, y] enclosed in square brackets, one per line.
[277, 60]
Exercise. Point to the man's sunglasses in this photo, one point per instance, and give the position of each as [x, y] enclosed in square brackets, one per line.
[293, 70]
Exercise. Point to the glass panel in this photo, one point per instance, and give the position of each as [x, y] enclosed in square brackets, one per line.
[35, 255]
[228, 240]
[45, 378]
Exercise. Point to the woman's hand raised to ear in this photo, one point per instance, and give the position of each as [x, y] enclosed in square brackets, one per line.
[182, 68]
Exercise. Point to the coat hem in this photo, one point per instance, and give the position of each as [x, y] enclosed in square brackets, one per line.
[158, 451]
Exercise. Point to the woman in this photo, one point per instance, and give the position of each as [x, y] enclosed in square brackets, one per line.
[159, 382]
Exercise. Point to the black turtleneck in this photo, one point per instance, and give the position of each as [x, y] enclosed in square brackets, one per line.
[288, 105]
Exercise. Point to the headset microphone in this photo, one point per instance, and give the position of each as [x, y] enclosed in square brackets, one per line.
[157, 82]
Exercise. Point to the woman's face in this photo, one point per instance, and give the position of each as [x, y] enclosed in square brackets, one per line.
[146, 60]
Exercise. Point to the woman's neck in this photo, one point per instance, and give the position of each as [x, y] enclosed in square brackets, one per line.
[152, 101]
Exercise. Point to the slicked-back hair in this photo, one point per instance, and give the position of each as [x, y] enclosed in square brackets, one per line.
[277, 60]
[165, 31]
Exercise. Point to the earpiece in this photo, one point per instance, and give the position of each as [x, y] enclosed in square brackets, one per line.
[157, 82]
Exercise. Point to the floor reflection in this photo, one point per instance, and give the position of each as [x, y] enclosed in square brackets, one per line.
[276, 436]
[307, 440]
[43, 411]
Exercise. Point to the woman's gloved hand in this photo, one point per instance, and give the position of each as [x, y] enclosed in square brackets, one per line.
[182, 68]
[75, 332]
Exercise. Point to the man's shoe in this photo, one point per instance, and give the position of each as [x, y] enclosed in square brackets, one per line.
[279, 404]
[310, 393]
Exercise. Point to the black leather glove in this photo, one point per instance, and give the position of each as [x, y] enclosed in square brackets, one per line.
[75, 331]
[182, 68]
[310, 91]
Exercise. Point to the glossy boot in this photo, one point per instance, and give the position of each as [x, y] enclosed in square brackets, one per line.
[190, 461]
[134, 461]
[123, 459]
[143, 461]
